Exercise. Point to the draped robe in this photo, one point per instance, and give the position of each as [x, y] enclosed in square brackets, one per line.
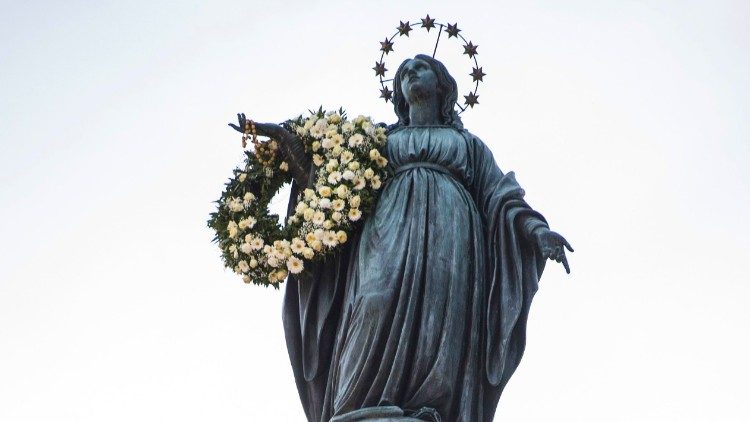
[423, 312]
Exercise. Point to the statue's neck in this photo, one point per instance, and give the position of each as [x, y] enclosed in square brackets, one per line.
[424, 112]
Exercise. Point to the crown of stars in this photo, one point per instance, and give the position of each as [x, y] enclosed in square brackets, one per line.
[428, 23]
[404, 28]
[470, 49]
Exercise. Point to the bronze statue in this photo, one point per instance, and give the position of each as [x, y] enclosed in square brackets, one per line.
[422, 316]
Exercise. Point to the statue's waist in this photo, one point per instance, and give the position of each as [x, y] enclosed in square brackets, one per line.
[430, 166]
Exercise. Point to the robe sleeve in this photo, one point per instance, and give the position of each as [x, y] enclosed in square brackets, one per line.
[311, 311]
[512, 264]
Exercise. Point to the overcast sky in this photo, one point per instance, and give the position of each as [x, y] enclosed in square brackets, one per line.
[627, 122]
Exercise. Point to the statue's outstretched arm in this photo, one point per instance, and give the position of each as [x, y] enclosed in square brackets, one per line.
[291, 148]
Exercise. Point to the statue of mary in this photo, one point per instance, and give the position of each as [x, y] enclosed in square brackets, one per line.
[422, 317]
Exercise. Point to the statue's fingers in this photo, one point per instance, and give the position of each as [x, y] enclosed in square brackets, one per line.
[565, 264]
[233, 126]
[567, 245]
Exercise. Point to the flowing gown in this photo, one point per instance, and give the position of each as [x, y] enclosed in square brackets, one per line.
[424, 314]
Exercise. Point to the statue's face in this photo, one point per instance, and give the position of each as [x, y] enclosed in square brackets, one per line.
[418, 81]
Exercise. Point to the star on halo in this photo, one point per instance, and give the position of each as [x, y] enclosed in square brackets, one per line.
[428, 23]
[386, 46]
[470, 49]
[471, 99]
[404, 28]
[379, 69]
[477, 74]
[453, 30]
[386, 93]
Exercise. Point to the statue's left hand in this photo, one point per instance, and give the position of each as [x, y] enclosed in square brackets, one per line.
[552, 246]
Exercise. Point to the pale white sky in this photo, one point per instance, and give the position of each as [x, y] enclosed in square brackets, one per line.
[627, 122]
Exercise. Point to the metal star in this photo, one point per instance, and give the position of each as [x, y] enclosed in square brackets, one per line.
[471, 99]
[470, 49]
[477, 74]
[379, 69]
[453, 30]
[386, 46]
[428, 23]
[386, 93]
[404, 28]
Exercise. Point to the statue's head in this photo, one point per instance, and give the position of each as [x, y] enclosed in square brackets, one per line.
[425, 79]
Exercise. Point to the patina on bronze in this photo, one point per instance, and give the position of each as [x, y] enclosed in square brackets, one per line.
[422, 316]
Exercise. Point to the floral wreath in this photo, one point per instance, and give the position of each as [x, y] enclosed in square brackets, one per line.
[350, 172]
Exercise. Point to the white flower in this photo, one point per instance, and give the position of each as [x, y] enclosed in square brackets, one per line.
[330, 239]
[298, 245]
[273, 262]
[336, 216]
[242, 177]
[284, 166]
[248, 198]
[348, 175]
[248, 222]
[337, 204]
[328, 224]
[294, 265]
[375, 182]
[356, 140]
[308, 214]
[319, 234]
[253, 263]
[336, 151]
[246, 248]
[355, 201]
[325, 203]
[353, 166]
[347, 127]
[246, 279]
[243, 266]
[355, 214]
[374, 154]
[301, 131]
[359, 183]
[310, 122]
[325, 191]
[341, 235]
[318, 218]
[333, 165]
[300, 208]
[257, 244]
[327, 143]
[369, 173]
[308, 253]
[235, 205]
[381, 162]
[232, 229]
[342, 191]
[309, 194]
[337, 140]
[334, 177]
[317, 160]
[346, 156]
[315, 146]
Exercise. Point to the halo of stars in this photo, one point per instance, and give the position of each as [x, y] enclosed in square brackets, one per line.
[477, 74]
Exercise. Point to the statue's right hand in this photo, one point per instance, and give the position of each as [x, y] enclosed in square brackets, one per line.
[241, 120]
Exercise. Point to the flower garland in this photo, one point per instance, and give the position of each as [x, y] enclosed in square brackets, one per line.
[350, 172]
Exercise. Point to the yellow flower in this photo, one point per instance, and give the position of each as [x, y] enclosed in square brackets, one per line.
[315, 146]
[374, 154]
[355, 201]
[317, 245]
[308, 214]
[381, 162]
[342, 236]
[309, 194]
[353, 166]
[375, 182]
[317, 160]
[284, 166]
[337, 204]
[342, 191]
[328, 224]
[310, 237]
[369, 173]
[308, 253]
